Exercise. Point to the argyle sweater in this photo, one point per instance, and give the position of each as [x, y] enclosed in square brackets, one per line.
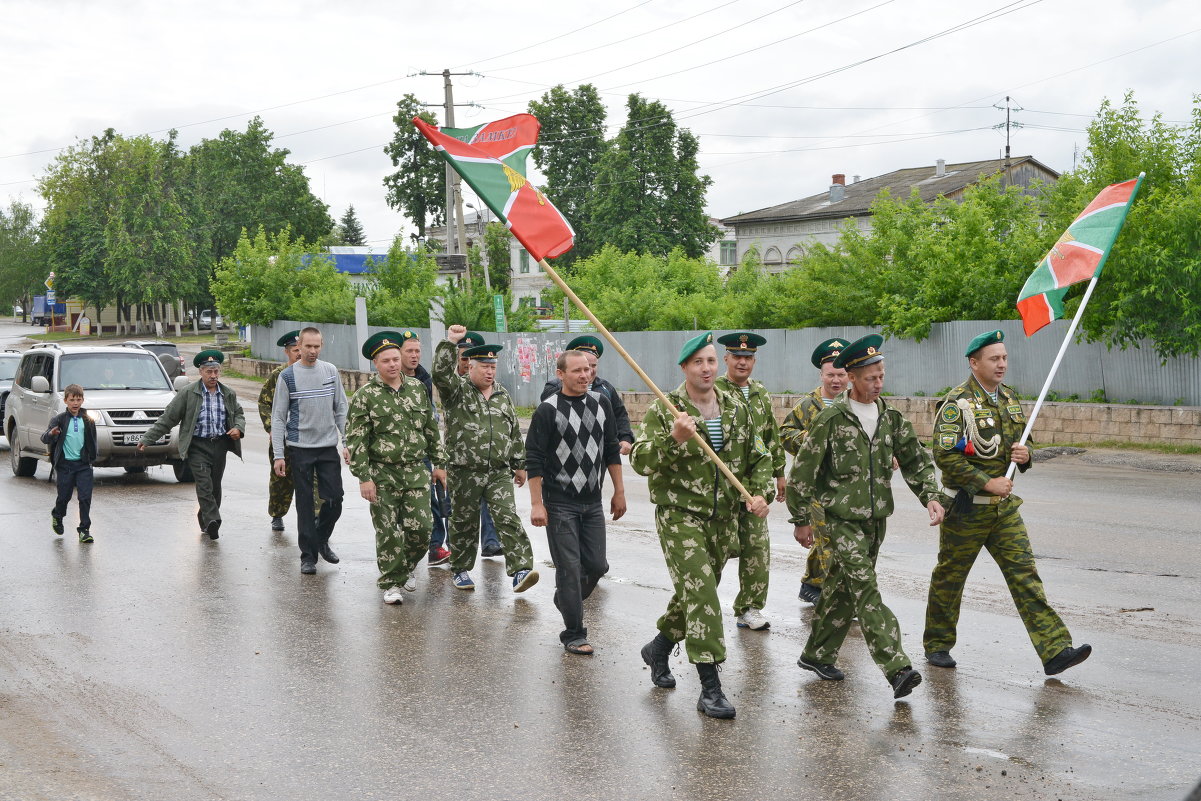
[570, 444]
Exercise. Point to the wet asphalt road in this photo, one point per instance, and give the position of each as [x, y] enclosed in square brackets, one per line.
[157, 664]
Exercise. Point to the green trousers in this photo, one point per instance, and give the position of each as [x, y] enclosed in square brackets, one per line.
[279, 490]
[818, 563]
[754, 562]
[467, 487]
[402, 520]
[1000, 530]
[206, 460]
[696, 549]
[850, 591]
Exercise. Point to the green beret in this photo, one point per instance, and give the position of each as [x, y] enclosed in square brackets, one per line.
[289, 339]
[378, 343]
[483, 353]
[861, 352]
[693, 345]
[828, 351]
[208, 358]
[743, 343]
[588, 343]
[987, 338]
[470, 340]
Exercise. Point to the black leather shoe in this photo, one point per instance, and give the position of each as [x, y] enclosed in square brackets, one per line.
[713, 701]
[655, 654]
[827, 672]
[327, 553]
[277, 524]
[492, 550]
[1068, 657]
[211, 529]
[810, 592]
[942, 659]
[903, 681]
[308, 568]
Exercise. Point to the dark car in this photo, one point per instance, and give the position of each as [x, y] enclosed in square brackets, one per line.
[9, 359]
[158, 347]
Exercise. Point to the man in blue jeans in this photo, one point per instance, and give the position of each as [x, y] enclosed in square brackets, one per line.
[571, 443]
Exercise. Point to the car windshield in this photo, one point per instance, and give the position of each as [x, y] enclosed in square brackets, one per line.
[8, 368]
[112, 371]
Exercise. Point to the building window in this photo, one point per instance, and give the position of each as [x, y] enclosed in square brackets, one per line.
[772, 256]
[525, 262]
[729, 253]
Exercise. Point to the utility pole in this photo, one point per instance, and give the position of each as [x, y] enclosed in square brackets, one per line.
[1009, 125]
[456, 238]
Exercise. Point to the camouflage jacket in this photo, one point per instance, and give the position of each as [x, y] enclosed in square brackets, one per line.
[1005, 417]
[267, 395]
[390, 434]
[851, 477]
[683, 476]
[762, 417]
[792, 430]
[480, 433]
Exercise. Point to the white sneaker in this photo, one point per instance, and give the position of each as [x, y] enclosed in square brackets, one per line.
[392, 595]
[411, 585]
[754, 620]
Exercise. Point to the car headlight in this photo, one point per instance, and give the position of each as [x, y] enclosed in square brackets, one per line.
[95, 417]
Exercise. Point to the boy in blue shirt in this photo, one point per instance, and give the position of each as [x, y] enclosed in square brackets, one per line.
[72, 440]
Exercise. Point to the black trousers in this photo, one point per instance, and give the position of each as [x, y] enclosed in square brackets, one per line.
[322, 466]
[74, 477]
[206, 460]
[576, 535]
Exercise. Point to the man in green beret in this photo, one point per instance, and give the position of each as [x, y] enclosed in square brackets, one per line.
[792, 434]
[394, 444]
[754, 555]
[211, 424]
[279, 494]
[845, 466]
[976, 434]
[696, 511]
[593, 348]
[485, 456]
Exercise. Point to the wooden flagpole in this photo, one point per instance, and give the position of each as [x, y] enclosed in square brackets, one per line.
[554, 276]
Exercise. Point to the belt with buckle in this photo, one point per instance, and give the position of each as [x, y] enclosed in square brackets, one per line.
[987, 500]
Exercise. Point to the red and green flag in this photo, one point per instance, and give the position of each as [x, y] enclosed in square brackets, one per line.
[1078, 255]
[491, 158]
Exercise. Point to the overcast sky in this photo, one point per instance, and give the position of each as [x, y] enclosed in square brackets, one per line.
[772, 87]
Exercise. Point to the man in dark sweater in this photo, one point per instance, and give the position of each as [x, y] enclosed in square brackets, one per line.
[571, 442]
[593, 349]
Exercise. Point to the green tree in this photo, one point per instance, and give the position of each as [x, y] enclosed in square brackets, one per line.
[496, 245]
[257, 283]
[22, 260]
[402, 286]
[417, 189]
[350, 230]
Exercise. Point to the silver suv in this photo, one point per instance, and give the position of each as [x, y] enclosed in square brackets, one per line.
[125, 390]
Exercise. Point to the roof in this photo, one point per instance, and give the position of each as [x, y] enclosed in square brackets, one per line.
[860, 195]
[350, 263]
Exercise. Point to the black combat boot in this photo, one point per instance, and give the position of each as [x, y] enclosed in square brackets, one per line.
[655, 654]
[712, 701]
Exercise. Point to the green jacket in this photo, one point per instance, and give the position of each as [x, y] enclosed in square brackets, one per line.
[792, 430]
[183, 410]
[683, 476]
[480, 433]
[849, 476]
[267, 395]
[1005, 417]
[763, 417]
[391, 433]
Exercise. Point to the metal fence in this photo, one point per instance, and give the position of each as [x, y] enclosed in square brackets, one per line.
[913, 368]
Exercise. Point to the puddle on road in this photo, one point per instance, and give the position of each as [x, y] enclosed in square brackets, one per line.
[986, 752]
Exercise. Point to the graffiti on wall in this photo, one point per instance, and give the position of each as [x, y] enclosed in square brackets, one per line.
[532, 360]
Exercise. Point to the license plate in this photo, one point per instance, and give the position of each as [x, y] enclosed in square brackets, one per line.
[131, 439]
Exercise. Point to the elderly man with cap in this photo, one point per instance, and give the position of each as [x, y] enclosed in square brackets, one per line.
[696, 511]
[845, 466]
[393, 440]
[976, 434]
[279, 493]
[211, 424]
[485, 458]
[754, 554]
[792, 434]
[593, 349]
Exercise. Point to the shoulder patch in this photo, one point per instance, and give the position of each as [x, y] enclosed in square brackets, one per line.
[948, 429]
[950, 413]
[946, 441]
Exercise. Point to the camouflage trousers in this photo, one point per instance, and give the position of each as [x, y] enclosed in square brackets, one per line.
[817, 566]
[754, 562]
[851, 591]
[280, 489]
[1000, 530]
[696, 549]
[495, 486]
[402, 520]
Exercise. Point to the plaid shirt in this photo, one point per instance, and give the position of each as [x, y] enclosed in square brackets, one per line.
[211, 420]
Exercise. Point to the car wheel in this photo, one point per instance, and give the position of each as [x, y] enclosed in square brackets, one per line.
[23, 466]
[137, 468]
[183, 473]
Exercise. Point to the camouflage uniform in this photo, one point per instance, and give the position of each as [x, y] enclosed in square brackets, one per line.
[998, 527]
[754, 559]
[792, 434]
[850, 477]
[483, 447]
[279, 494]
[391, 433]
[696, 513]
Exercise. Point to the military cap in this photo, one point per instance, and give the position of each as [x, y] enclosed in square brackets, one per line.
[693, 345]
[208, 358]
[861, 352]
[987, 338]
[483, 353]
[589, 343]
[742, 343]
[378, 343]
[289, 339]
[470, 340]
[827, 351]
